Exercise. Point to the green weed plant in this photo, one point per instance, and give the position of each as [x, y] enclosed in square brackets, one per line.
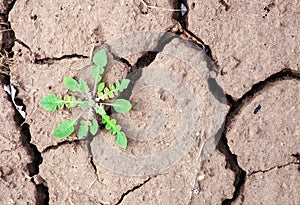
[90, 101]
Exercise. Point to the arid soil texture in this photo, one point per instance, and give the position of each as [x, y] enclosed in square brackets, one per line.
[254, 46]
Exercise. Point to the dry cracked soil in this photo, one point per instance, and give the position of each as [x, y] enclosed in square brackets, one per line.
[251, 49]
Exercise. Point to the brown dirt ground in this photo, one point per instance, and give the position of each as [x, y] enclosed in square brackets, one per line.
[256, 47]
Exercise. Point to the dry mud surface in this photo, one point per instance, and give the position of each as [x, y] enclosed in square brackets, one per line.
[254, 46]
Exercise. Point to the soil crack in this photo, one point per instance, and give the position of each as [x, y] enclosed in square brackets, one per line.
[53, 147]
[49, 60]
[89, 141]
[232, 163]
[132, 190]
[8, 40]
[272, 168]
[42, 194]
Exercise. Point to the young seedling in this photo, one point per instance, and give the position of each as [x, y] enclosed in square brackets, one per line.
[91, 101]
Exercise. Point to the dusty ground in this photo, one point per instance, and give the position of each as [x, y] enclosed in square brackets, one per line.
[255, 47]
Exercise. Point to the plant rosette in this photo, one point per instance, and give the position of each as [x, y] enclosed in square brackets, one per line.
[91, 101]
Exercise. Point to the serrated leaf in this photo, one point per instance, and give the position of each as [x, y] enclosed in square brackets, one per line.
[121, 105]
[50, 102]
[94, 127]
[110, 124]
[71, 83]
[121, 140]
[83, 87]
[97, 71]
[105, 118]
[116, 129]
[100, 58]
[65, 129]
[83, 129]
[100, 110]
[101, 87]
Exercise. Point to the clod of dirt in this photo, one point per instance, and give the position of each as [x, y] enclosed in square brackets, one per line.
[71, 178]
[44, 28]
[248, 47]
[278, 186]
[265, 142]
[172, 186]
[269, 137]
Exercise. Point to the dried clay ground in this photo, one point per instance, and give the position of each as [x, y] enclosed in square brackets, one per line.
[255, 46]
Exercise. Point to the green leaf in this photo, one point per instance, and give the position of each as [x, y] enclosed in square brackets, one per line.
[50, 102]
[94, 127]
[100, 110]
[65, 129]
[117, 84]
[121, 105]
[100, 58]
[101, 87]
[116, 129]
[83, 129]
[121, 140]
[83, 87]
[110, 124]
[71, 84]
[97, 71]
[124, 85]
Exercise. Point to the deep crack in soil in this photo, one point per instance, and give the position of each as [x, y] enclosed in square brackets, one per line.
[51, 60]
[42, 195]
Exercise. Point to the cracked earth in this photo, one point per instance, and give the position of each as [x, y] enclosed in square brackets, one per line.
[255, 47]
